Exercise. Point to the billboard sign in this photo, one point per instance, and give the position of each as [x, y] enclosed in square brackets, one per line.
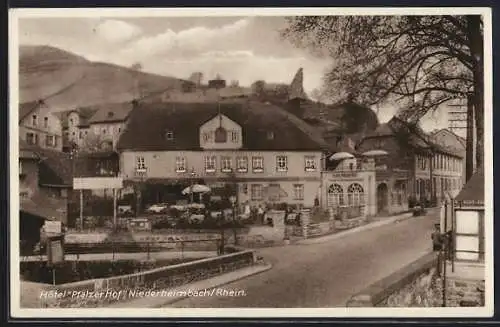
[52, 227]
[97, 183]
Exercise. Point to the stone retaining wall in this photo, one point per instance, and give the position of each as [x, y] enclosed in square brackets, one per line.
[420, 285]
[408, 287]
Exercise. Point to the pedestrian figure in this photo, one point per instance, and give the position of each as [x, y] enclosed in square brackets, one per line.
[260, 212]
[437, 238]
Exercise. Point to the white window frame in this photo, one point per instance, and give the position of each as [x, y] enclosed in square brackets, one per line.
[169, 135]
[52, 141]
[206, 136]
[335, 195]
[34, 120]
[298, 191]
[258, 164]
[210, 161]
[45, 122]
[180, 164]
[355, 199]
[280, 162]
[310, 163]
[140, 164]
[256, 192]
[20, 167]
[479, 235]
[234, 136]
[242, 164]
[33, 138]
[226, 164]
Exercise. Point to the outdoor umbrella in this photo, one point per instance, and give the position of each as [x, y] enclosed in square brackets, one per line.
[375, 153]
[196, 188]
[341, 156]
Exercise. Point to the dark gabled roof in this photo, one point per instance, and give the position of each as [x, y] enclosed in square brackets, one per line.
[55, 168]
[473, 191]
[148, 124]
[459, 139]
[382, 130]
[111, 112]
[45, 207]
[27, 107]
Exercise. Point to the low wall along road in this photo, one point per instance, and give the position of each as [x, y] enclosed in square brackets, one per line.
[101, 292]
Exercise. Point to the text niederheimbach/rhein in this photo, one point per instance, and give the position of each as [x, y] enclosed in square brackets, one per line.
[139, 293]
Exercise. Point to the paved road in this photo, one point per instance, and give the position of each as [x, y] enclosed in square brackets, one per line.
[327, 274]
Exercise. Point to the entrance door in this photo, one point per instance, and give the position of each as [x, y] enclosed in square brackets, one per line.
[382, 198]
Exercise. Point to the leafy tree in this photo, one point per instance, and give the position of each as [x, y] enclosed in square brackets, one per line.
[419, 62]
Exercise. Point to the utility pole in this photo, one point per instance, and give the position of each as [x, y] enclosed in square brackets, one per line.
[114, 209]
[469, 145]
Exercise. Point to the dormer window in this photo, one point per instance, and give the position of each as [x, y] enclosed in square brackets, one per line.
[220, 135]
[111, 114]
[270, 135]
[169, 135]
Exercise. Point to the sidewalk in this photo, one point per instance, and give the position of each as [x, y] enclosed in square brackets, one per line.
[165, 255]
[207, 284]
[378, 223]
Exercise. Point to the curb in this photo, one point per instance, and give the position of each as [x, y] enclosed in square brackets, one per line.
[194, 287]
[327, 238]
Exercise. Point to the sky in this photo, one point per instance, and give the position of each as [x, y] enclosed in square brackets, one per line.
[245, 49]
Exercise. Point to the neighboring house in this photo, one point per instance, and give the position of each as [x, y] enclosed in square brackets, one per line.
[271, 155]
[108, 123]
[75, 127]
[39, 126]
[455, 143]
[44, 187]
[416, 166]
[94, 128]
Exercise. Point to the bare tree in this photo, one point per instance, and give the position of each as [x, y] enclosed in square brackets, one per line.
[92, 143]
[420, 62]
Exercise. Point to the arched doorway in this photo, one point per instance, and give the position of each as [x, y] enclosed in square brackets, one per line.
[382, 198]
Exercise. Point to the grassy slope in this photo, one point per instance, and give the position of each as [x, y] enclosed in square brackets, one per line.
[46, 70]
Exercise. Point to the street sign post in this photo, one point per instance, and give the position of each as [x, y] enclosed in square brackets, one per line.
[55, 253]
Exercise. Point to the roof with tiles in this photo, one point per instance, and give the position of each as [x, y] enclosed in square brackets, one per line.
[27, 107]
[473, 191]
[55, 168]
[185, 119]
[44, 206]
[111, 112]
[413, 135]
